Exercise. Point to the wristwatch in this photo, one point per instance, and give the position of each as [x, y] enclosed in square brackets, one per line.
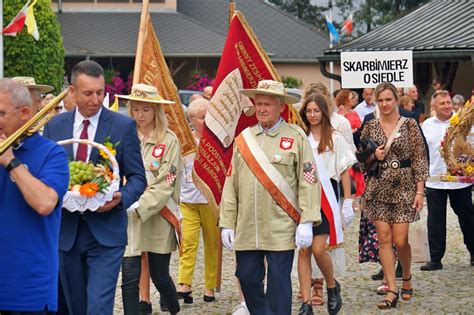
[15, 162]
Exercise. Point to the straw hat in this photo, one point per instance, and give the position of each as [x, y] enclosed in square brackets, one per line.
[145, 93]
[270, 87]
[30, 83]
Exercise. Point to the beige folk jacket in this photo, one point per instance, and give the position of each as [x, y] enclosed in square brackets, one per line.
[248, 209]
[147, 230]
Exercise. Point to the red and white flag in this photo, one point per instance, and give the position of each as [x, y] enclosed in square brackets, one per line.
[347, 26]
[26, 17]
[18, 22]
[243, 64]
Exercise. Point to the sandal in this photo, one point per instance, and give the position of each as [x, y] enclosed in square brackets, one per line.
[317, 292]
[406, 293]
[382, 290]
[386, 303]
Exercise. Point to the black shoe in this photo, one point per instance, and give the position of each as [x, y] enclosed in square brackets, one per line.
[208, 298]
[334, 299]
[378, 276]
[163, 306]
[305, 309]
[186, 296]
[399, 271]
[144, 308]
[431, 265]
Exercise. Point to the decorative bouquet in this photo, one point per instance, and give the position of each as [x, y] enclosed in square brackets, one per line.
[456, 149]
[91, 186]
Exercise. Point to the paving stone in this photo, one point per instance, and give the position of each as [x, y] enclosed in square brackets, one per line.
[447, 291]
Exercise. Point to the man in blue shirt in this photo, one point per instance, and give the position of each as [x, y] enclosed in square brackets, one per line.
[34, 177]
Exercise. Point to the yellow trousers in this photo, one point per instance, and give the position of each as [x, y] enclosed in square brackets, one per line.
[196, 216]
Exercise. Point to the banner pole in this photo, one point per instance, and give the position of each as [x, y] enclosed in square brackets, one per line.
[1, 39]
[331, 64]
[231, 10]
[140, 41]
[219, 240]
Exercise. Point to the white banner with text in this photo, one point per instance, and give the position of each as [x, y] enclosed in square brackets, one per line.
[367, 69]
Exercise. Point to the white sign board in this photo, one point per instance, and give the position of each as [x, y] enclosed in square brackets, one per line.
[367, 69]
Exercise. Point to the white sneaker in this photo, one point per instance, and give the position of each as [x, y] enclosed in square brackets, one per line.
[241, 309]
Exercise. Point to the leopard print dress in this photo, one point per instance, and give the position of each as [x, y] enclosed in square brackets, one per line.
[390, 196]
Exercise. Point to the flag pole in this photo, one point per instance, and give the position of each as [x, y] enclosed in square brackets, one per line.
[331, 64]
[231, 10]
[219, 240]
[141, 40]
[1, 39]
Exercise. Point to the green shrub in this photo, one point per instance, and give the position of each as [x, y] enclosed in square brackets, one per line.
[291, 82]
[24, 56]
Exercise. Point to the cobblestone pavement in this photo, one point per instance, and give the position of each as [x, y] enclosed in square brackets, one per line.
[447, 291]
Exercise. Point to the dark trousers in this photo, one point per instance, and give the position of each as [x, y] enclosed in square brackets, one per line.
[160, 275]
[251, 272]
[89, 273]
[461, 202]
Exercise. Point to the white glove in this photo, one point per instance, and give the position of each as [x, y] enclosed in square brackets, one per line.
[134, 206]
[227, 236]
[347, 211]
[304, 235]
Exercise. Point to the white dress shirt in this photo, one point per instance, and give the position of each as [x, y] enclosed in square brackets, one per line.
[91, 129]
[434, 131]
[364, 109]
[189, 193]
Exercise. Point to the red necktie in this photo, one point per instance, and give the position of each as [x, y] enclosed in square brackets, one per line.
[81, 154]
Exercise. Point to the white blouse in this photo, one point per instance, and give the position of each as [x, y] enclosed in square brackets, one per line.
[343, 126]
[189, 192]
[338, 160]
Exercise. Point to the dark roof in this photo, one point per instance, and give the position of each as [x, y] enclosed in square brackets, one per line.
[115, 34]
[440, 29]
[284, 38]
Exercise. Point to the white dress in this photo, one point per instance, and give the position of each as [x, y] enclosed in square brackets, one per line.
[335, 162]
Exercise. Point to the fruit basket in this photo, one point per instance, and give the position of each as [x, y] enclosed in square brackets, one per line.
[91, 185]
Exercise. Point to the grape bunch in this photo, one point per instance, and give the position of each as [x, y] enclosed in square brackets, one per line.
[80, 173]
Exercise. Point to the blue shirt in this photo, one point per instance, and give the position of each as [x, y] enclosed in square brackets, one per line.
[28, 240]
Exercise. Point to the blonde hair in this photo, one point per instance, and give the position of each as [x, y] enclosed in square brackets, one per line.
[404, 101]
[160, 121]
[386, 86]
[196, 105]
[320, 88]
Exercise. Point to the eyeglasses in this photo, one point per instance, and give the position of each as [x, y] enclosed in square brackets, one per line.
[312, 111]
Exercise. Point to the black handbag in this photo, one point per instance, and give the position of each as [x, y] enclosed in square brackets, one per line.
[367, 148]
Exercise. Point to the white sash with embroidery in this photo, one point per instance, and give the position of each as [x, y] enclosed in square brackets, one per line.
[269, 169]
[328, 190]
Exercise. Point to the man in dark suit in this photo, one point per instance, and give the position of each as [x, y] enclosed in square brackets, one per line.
[92, 243]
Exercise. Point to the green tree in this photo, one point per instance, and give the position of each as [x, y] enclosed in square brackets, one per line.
[24, 56]
[373, 13]
[291, 82]
[303, 10]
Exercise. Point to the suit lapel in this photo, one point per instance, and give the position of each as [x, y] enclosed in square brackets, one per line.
[67, 126]
[103, 130]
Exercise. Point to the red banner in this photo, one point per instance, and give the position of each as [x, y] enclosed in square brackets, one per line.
[243, 64]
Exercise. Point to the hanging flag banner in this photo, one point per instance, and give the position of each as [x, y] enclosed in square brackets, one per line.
[154, 71]
[18, 22]
[367, 69]
[243, 64]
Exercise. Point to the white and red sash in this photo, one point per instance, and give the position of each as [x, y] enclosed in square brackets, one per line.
[329, 202]
[267, 174]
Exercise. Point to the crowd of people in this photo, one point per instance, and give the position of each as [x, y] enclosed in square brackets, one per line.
[288, 187]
